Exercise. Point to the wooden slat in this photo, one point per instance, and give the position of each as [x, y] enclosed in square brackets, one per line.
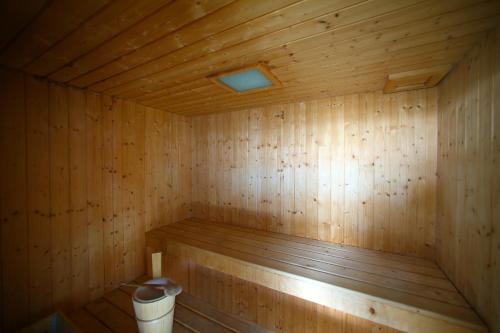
[290, 47]
[105, 24]
[62, 195]
[197, 323]
[346, 13]
[88, 323]
[59, 203]
[14, 247]
[38, 200]
[282, 256]
[467, 192]
[144, 50]
[110, 278]
[196, 305]
[17, 15]
[51, 25]
[165, 19]
[344, 72]
[94, 194]
[112, 317]
[343, 117]
[118, 180]
[368, 264]
[231, 27]
[78, 197]
[203, 248]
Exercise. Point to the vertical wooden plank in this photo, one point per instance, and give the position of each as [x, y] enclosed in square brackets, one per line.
[167, 162]
[300, 158]
[324, 169]
[185, 152]
[262, 196]
[38, 200]
[403, 227]
[212, 167]
[485, 225]
[395, 151]
[275, 114]
[59, 196]
[287, 168]
[337, 170]
[312, 170]
[118, 190]
[151, 182]
[431, 136]
[110, 279]
[366, 170]
[253, 172]
[138, 189]
[351, 165]
[235, 195]
[243, 167]
[14, 247]
[495, 243]
[175, 168]
[95, 195]
[382, 174]
[78, 198]
[226, 149]
[220, 185]
[128, 196]
[196, 184]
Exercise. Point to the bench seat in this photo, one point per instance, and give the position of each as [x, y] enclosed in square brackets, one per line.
[407, 293]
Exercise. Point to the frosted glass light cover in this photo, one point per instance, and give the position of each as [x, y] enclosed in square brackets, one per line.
[246, 80]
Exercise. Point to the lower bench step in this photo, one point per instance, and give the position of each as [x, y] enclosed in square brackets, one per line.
[114, 312]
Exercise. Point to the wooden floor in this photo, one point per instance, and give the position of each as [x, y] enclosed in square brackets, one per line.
[374, 285]
[115, 313]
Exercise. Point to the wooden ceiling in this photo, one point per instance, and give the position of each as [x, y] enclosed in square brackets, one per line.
[160, 52]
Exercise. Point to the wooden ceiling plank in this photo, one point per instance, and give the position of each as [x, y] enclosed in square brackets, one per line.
[166, 66]
[200, 31]
[256, 47]
[231, 100]
[375, 37]
[140, 97]
[344, 89]
[58, 19]
[17, 14]
[164, 21]
[113, 19]
[260, 25]
[329, 75]
[196, 95]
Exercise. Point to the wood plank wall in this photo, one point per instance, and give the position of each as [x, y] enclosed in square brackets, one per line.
[468, 237]
[357, 169]
[83, 176]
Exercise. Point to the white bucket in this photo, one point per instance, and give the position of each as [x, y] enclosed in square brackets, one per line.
[153, 308]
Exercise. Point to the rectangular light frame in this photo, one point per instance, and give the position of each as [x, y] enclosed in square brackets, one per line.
[216, 78]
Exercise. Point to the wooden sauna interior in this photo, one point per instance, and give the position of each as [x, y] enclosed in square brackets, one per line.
[361, 193]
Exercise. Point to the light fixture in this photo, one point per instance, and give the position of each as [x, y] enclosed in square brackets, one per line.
[416, 79]
[247, 79]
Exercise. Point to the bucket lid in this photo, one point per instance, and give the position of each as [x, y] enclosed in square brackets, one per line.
[148, 295]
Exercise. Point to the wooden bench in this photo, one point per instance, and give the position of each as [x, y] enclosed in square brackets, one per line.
[115, 313]
[407, 293]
